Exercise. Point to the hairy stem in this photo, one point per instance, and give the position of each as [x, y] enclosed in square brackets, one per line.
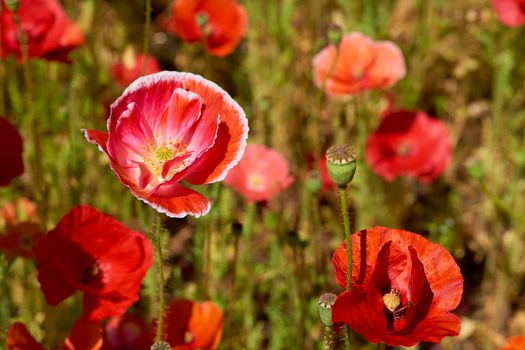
[160, 274]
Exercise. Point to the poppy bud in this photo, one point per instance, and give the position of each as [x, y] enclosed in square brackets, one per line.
[313, 182]
[326, 301]
[160, 345]
[335, 34]
[12, 5]
[341, 163]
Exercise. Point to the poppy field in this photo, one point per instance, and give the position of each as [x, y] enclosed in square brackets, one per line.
[248, 174]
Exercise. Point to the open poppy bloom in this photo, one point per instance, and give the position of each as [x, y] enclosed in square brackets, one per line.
[131, 67]
[362, 64]
[510, 12]
[85, 335]
[191, 325]
[403, 288]
[220, 24]
[47, 30]
[168, 127]
[409, 143]
[96, 254]
[514, 343]
[126, 332]
[20, 239]
[261, 174]
[11, 162]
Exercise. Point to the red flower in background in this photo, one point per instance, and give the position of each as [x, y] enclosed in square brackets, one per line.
[85, 335]
[169, 127]
[510, 12]
[96, 254]
[514, 343]
[403, 288]
[20, 240]
[130, 68]
[225, 23]
[361, 64]
[261, 174]
[192, 325]
[22, 209]
[47, 30]
[409, 143]
[126, 332]
[11, 162]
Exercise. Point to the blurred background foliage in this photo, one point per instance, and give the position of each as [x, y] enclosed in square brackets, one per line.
[464, 68]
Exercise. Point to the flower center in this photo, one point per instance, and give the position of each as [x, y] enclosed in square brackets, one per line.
[91, 274]
[157, 155]
[392, 300]
[403, 149]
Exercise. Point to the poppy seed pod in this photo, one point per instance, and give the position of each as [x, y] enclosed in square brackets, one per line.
[161, 345]
[341, 161]
[326, 301]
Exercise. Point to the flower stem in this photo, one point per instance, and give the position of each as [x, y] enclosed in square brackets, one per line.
[348, 238]
[160, 273]
[251, 212]
[147, 26]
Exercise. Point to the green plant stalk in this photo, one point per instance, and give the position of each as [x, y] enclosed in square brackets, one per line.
[160, 273]
[251, 212]
[147, 26]
[206, 264]
[348, 238]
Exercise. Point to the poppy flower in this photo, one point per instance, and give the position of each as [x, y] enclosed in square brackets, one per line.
[362, 64]
[409, 143]
[169, 127]
[223, 23]
[261, 174]
[11, 163]
[510, 12]
[403, 288]
[191, 325]
[514, 343]
[21, 210]
[131, 67]
[20, 240]
[126, 332]
[95, 254]
[85, 335]
[47, 30]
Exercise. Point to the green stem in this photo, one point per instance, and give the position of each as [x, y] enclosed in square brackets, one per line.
[348, 238]
[147, 26]
[206, 265]
[160, 273]
[251, 212]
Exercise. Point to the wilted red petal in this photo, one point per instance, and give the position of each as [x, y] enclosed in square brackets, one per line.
[19, 338]
[226, 23]
[47, 29]
[11, 162]
[261, 174]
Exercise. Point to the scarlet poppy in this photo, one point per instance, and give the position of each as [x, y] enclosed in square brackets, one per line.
[192, 325]
[20, 239]
[510, 12]
[360, 64]
[126, 332]
[223, 23]
[85, 335]
[169, 127]
[403, 288]
[11, 162]
[514, 343]
[131, 67]
[409, 143]
[95, 254]
[261, 174]
[47, 30]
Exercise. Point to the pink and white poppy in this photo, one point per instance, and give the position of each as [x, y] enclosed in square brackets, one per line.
[168, 127]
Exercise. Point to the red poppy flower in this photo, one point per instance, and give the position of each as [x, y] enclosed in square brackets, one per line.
[11, 163]
[510, 12]
[192, 325]
[361, 64]
[514, 343]
[20, 239]
[409, 143]
[261, 175]
[85, 335]
[403, 288]
[131, 67]
[96, 254]
[225, 23]
[48, 32]
[169, 127]
[126, 332]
